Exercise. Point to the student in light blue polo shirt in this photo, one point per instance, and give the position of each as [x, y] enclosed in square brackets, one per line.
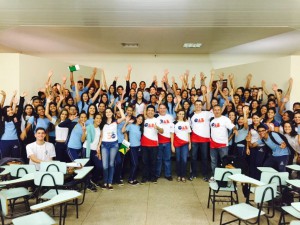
[280, 153]
[134, 136]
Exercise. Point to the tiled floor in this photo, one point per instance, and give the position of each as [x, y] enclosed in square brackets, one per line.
[150, 204]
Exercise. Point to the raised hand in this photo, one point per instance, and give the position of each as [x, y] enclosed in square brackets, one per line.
[24, 94]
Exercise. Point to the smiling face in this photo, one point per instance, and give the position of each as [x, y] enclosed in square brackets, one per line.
[28, 110]
[97, 120]
[108, 113]
[40, 111]
[287, 128]
[9, 111]
[180, 115]
[139, 120]
[63, 115]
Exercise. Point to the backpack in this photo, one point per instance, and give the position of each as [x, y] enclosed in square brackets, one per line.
[283, 138]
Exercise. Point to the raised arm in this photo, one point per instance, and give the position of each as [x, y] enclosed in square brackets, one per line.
[104, 80]
[47, 113]
[263, 84]
[72, 79]
[127, 78]
[193, 81]
[96, 94]
[202, 78]
[212, 75]
[248, 81]
[92, 77]
[13, 98]
[289, 90]
[245, 112]
[122, 113]
[3, 98]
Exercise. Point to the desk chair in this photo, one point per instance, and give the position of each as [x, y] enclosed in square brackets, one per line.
[62, 200]
[53, 166]
[52, 181]
[39, 218]
[245, 212]
[295, 222]
[221, 175]
[11, 195]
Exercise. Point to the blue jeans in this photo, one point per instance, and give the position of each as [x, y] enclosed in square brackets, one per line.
[164, 155]
[149, 155]
[216, 154]
[109, 152]
[181, 160]
[203, 146]
[134, 162]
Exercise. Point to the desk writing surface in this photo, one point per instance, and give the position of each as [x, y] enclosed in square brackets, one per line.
[56, 200]
[267, 169]
[81, 173]
[241, 178]
[296, 205]
[5, 171]
[83, 161]
[295, 183]
[39, 218]
[26, 177]
[293, 167]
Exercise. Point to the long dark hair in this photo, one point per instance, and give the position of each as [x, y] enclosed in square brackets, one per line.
[293, 132]
[104, 118]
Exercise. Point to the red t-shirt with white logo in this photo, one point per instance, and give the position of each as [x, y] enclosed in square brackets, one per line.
[182, 131]
[165, 122]
[200, 126]
[150, 137]
[219, 131]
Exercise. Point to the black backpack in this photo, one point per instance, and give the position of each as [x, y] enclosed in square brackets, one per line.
[283, 138]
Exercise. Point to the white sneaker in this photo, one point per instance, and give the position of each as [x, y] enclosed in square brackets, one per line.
[212, 179]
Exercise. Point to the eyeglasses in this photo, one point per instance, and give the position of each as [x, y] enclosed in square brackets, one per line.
[260, 131]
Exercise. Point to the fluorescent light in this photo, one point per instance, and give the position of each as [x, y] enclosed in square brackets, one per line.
[192, 45]
[130, 45]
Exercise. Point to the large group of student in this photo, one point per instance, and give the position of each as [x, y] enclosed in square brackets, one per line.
[209, 121]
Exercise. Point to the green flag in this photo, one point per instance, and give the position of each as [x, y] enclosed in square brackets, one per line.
[74, 68]
[124, 147]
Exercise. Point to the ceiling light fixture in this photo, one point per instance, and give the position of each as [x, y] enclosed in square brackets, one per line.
[192, 45]
[130, 45]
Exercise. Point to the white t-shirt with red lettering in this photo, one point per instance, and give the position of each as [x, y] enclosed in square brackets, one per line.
[182, 131]
[219, 132]
[200, 126]
[150, 134]
[165, 122]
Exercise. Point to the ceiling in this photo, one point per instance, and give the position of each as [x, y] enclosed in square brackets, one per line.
[158, 26]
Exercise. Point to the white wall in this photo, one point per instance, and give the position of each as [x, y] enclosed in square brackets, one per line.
[9, 75]
[144, 66]
[295, 74]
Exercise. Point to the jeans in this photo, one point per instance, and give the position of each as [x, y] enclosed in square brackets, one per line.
[203, 146]
[149, 155]
[134, 162]
[181, 160]
[164, 155]
[119, 161]
[109, 152]
[10, 148]
[215, 155]
[97, 163]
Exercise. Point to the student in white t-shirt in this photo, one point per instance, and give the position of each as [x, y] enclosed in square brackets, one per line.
[40, 150]
[219, 127]
[181, 143]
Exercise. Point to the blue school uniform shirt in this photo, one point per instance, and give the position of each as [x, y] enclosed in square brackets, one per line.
[134, 135]
[75, 137]
[52, 133]
[40, 122]
[83, 106]
[242, 134]
[276, 150]
[119, 131]
[10, 132]
[90, 121]
[85, 89]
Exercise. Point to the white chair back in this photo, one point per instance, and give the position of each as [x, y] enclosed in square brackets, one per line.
[278, 177]
[54, 166]
[295, 222]
[265, 192]
[19, 170]
[223, 173]
[48, 179]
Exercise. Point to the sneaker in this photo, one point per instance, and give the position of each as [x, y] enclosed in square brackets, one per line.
[104, 186]
[170, 178]
[133, 182]
[212, 179]
[154, 180]
[178, 179]
[144, 180]
[110, 187]
[120, 183]
[91, 187]
[205, 179]
[191, 178]
[183, 179]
